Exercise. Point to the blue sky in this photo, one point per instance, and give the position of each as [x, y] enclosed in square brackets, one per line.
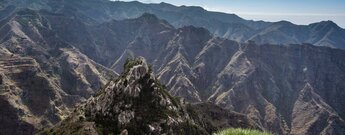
[296, 11]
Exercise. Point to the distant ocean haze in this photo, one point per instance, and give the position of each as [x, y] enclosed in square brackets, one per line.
[300, 19]
[298, 12]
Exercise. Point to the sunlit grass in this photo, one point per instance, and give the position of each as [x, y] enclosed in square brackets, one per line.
[240, 131]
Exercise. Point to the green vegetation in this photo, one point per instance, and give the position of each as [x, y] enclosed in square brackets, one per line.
[162, 89]
[70, 128]
[130, 63]
[240, 131]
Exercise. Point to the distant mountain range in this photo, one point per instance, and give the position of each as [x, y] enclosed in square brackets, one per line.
[57, 54]
[230, 26]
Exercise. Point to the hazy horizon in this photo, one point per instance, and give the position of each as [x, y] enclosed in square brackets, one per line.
[298, 12]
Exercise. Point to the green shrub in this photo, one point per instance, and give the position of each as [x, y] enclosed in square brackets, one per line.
[240, 131]
[130, 63]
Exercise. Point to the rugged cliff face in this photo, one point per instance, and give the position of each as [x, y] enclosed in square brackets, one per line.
[136, 103]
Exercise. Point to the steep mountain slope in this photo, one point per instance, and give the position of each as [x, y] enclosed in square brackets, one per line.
[136, 103]
[280, 82]
[42, 77]
[228, 26]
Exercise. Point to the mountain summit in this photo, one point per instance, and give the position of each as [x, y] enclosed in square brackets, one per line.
[136, 103]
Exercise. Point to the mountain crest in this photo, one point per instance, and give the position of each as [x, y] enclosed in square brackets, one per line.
[149, 17]
[135, 103]
[330, 23]
[137, 68]
[199, 32]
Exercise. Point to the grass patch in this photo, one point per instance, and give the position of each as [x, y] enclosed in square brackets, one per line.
[240, 131]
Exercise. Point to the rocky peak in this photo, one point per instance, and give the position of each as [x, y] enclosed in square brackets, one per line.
[138, 104]
[329, 23]
[283, 24]
[137, 68]
[193, 8]
[166, 4]
[194, 30]
[148, 17]
[325, 25]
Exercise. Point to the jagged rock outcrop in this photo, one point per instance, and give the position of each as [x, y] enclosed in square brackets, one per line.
[136, 103]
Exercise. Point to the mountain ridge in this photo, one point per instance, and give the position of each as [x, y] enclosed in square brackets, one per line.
[224, 25]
